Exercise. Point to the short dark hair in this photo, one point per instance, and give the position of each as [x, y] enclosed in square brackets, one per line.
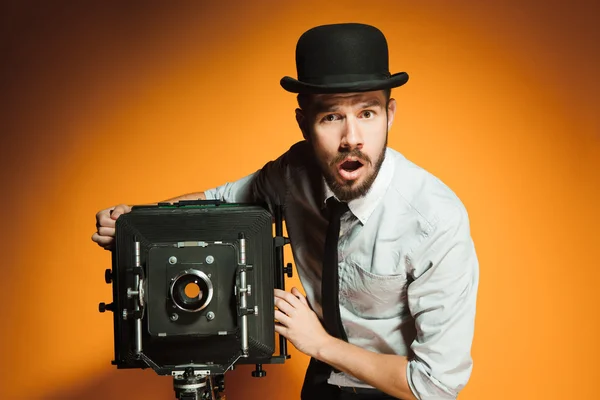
[304, 99]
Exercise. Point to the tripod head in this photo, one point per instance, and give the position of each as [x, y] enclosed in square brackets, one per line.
[190, 385]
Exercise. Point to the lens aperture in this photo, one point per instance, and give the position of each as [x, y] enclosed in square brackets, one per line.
[191, 290]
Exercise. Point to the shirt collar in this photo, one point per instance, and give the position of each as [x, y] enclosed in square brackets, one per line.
[364, 206]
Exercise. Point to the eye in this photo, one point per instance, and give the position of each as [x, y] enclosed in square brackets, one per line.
[330, 118]
[368, 114]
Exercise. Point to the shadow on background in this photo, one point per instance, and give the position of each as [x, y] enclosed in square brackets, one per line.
[117, 384]
[137, 384]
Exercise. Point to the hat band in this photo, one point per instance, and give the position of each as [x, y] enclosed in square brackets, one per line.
[345, 78]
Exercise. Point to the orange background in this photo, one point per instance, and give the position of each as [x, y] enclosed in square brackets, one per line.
[103, 104]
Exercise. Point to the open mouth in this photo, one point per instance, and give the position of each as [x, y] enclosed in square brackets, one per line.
[350, 169]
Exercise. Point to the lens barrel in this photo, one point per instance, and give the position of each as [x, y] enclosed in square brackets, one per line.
[178, 290]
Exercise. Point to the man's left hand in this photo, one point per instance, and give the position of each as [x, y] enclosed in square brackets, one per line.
[298, 323]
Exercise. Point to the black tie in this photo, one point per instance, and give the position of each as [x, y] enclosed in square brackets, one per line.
[329, 283]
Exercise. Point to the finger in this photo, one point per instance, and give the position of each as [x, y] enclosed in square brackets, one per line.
[119, 210]
[287, 296]
[300, 296]
[282, 330]
[104, 219]
[284, 306]
[105, 231]
[102, 240]
[282, 318]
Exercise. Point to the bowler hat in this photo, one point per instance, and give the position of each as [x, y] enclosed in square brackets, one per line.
[342, 58]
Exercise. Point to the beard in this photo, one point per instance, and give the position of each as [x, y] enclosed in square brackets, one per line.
[347, 190]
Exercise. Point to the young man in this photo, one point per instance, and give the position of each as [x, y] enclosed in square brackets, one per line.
[382, 247]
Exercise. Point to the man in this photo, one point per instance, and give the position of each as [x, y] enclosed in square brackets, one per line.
[382, 247]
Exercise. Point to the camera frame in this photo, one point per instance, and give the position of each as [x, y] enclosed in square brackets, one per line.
[231, 249]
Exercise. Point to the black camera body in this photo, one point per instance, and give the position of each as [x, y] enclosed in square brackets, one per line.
[193, 291]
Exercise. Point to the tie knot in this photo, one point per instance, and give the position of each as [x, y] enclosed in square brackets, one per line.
[336, 208]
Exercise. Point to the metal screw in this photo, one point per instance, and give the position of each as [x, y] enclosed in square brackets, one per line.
[210, 315]
[172, 260]
[174, 317]
[210, 259]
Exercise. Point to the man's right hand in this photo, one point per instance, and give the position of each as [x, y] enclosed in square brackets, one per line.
[105, 225]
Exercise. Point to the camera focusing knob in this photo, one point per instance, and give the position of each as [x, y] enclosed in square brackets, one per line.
[102, 307]
[259, 372]
[135, 314]
[108, 276]
[247, 290]
[288, 270]
[249, 310]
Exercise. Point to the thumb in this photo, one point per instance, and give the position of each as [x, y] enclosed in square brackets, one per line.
[119, 210]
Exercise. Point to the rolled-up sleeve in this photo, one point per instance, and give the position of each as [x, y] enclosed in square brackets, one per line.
[442, 300]
[266, 185]
[239, 191]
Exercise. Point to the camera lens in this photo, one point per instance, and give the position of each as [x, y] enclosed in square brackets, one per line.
[191, 290]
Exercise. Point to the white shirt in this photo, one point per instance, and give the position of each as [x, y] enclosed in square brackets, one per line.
[407, 265]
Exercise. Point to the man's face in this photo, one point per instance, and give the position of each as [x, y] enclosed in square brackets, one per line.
[348, 133]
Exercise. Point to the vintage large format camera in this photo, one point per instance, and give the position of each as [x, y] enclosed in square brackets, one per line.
[193, 291]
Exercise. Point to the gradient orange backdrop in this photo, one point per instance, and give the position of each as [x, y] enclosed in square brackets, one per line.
[135, 102]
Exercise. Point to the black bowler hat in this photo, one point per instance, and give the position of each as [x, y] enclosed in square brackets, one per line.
[342, 58]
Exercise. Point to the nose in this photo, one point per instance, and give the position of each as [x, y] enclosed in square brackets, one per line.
[351, 136]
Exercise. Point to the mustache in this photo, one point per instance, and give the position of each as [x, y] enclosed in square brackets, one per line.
[341, 156]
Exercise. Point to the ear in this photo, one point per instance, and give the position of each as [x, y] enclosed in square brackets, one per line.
[301, 120]
[391, 112]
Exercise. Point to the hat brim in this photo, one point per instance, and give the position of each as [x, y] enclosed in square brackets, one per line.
[295, 86]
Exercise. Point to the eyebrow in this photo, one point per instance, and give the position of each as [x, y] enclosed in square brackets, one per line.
[322, 107]
[370, 103]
